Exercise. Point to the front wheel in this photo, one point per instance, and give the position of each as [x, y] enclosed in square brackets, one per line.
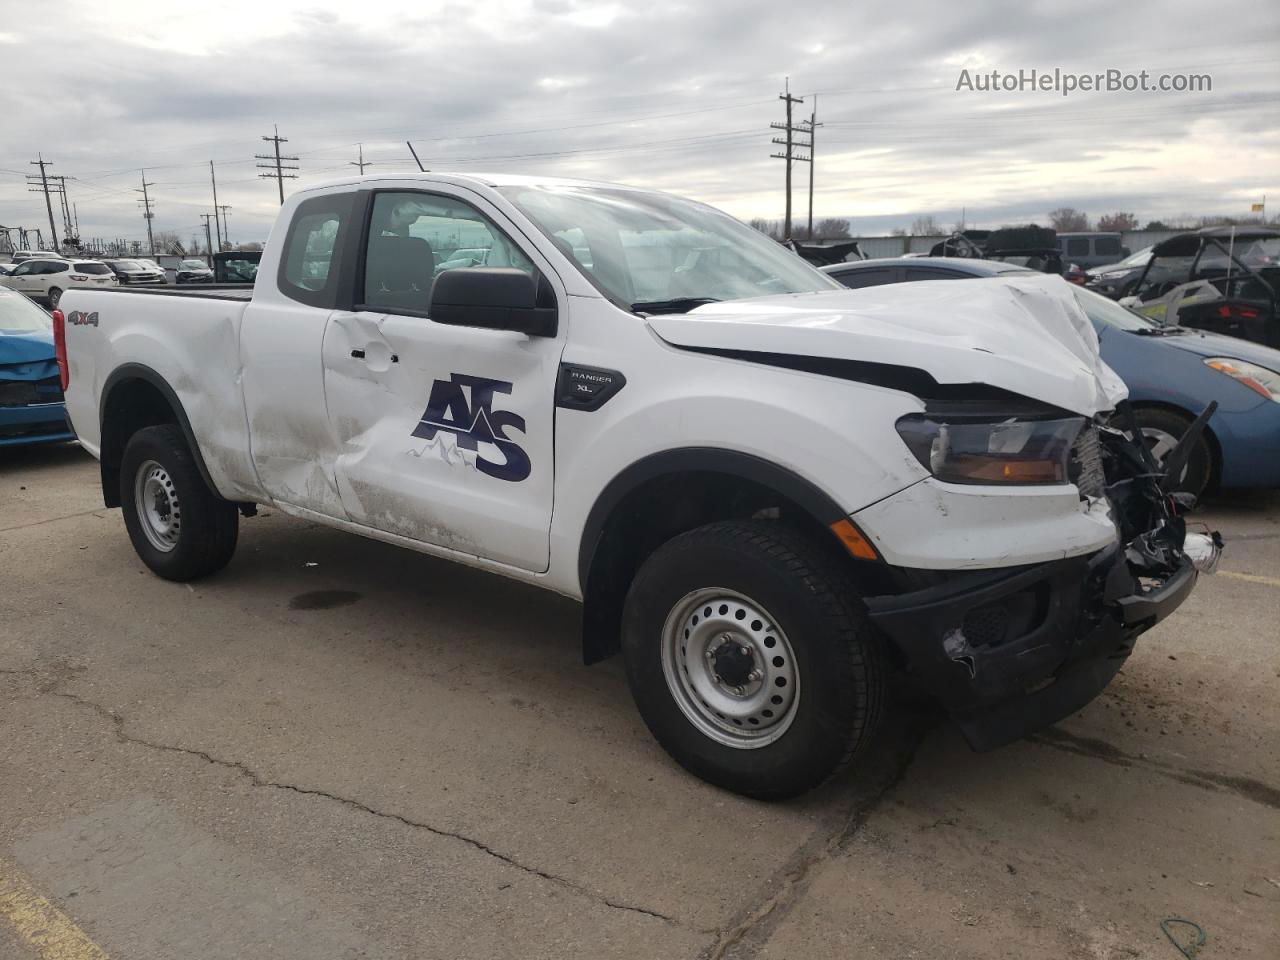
[750, 659]
[180, 528]
[55, 297]
[1161, 430]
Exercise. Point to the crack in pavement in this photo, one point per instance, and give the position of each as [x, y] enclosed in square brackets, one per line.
[1246, 787]
[118, 725]
[743, 937]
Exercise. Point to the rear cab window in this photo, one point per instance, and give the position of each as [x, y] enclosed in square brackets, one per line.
[311, 260]
[92, 268]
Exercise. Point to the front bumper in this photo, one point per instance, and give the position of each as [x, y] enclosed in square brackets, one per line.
[1011, 651]
[37, 423]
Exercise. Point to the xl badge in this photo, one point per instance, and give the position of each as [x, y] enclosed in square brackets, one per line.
[474, 421]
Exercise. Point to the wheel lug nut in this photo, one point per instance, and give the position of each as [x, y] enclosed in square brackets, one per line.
[753, 675]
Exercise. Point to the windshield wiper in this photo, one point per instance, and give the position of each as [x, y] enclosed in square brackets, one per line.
[678, 305]
[1171, 331]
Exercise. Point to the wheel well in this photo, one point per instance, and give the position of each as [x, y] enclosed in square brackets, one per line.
[130, 405]
[657, 509]
[1215, 448]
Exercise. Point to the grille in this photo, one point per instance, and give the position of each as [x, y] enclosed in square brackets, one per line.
[1086, 462]
[24, 393]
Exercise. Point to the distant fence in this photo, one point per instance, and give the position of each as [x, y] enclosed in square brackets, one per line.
[877, 247]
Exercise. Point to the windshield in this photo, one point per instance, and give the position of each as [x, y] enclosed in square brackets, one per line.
[194, 265]
[1136, 259]
[129, 266]
[643, 248]
[1101, 310]
[20, 315]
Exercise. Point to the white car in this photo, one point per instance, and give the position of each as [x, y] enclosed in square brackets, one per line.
[20, 255]
[47, 279]
[762, 485]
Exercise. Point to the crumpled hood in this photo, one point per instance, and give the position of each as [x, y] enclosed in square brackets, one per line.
[1023, 333]
[26, 356]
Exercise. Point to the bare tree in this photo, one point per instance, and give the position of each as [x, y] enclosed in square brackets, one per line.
[770, 228]
[1069, 219]
[831, 228]
[1118, 222]
[926, 227]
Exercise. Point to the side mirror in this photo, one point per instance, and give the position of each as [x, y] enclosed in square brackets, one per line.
[496, 298]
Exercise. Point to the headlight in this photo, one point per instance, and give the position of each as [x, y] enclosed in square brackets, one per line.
[1110, 275]
[992, 451]
[1259, 379]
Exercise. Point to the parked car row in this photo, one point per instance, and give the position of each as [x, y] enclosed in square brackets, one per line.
[47, 276]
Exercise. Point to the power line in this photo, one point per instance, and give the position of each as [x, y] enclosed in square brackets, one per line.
[146, 210]
[48, 203]
[361, 162]
[790, 143]
[279, 176]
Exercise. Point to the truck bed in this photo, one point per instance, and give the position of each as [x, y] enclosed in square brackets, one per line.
[213, 291]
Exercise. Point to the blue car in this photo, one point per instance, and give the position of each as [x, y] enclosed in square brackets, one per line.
[1172, 374]
[31, 407]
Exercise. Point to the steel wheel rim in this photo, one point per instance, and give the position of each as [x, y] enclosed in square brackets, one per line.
[730, 668]
[55, 297]
[159, 512]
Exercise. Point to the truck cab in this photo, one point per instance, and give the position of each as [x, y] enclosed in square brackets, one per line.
[766, 490]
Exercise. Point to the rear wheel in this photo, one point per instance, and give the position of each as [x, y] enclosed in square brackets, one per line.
[750, 658]
[1162, 429]
[180, 528]
[55, 297]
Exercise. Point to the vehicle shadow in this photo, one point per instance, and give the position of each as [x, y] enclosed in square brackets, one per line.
[38, 456]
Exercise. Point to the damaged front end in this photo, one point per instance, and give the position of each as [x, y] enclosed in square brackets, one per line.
[1010, 651]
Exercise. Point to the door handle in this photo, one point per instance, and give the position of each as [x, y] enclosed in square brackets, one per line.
[359, 355]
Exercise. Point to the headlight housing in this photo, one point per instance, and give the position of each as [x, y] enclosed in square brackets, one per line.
[986, 451]
[1256, 378]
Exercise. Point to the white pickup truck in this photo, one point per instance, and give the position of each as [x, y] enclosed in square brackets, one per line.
[767, 490]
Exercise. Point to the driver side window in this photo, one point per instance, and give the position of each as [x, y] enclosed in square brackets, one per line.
[414, 237]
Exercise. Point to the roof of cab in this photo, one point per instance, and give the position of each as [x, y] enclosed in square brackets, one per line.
[483, 179]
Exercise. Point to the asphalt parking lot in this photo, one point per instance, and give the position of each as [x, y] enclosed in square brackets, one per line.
[339, 749]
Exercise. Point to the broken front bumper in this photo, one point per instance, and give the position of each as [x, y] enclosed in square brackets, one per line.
[1011, 651]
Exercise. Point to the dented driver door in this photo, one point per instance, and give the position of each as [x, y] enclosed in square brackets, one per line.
[445, 433]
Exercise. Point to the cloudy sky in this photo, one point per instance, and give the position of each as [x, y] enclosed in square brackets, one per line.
[677, 96]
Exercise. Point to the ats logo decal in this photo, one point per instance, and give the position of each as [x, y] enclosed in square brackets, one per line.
[78, 318]
[473, 421]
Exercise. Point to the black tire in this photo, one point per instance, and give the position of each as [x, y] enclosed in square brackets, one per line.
[1199, 473]
[55, 297]
[205, 539]
[839, 663]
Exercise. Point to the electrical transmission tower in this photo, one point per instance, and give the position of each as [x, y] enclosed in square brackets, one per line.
[146, 210]
[279, 175]
[44, 186]
[362, 162]
[791, 144]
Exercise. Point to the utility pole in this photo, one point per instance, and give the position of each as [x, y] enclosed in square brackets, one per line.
[146, 210]
[361, 162]
[790, 143]
[216, 228]
[48, 203]
[226, 230]
[813, 152]
[208, 237]
[279, 176]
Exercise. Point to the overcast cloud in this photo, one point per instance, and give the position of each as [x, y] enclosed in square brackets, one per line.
[673, 96]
